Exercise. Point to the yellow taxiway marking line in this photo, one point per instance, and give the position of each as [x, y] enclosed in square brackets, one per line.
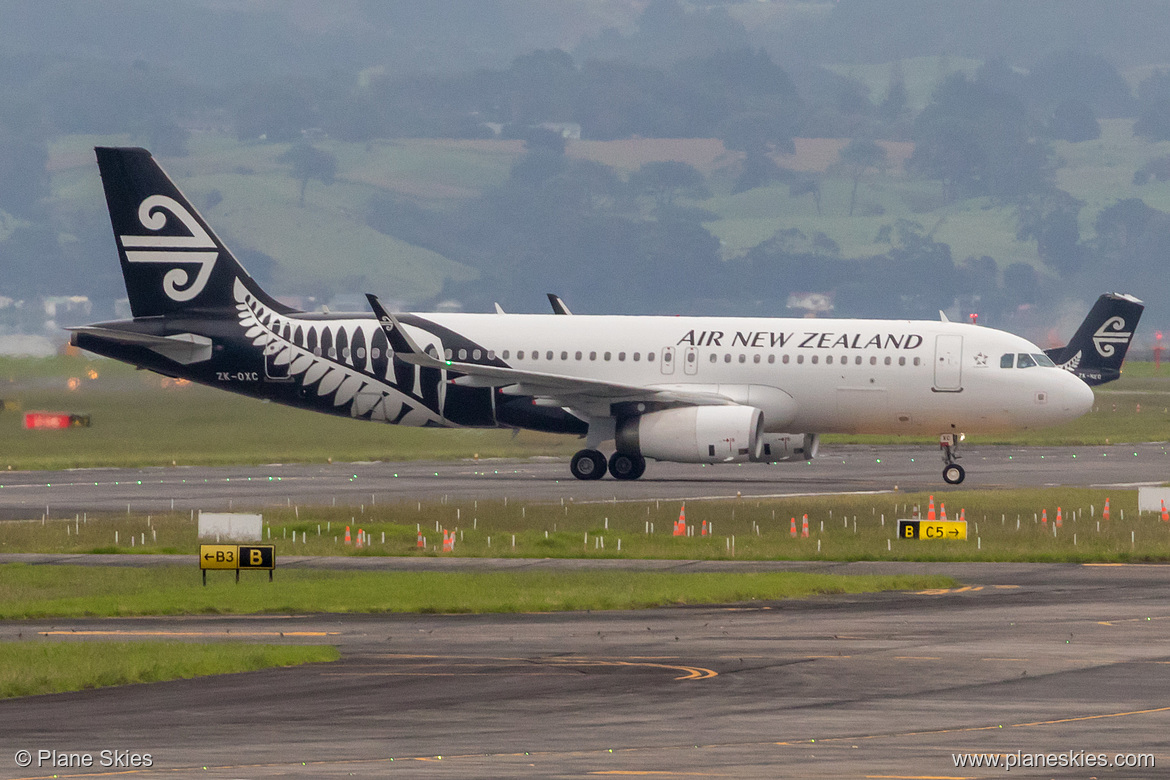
[917, 658]
[189, 633]
[665, 772]
[688, 672]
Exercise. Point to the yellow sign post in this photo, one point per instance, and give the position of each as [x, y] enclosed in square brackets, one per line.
[230, 556]
[942, 530]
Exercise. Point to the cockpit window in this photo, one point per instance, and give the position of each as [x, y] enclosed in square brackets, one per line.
[1007, 361]
[1044, 360]
[1025, 361]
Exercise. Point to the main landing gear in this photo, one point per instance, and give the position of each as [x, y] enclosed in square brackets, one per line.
[591, 464]
[953, 473]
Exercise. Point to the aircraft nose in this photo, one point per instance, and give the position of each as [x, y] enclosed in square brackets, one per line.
[1075, 397]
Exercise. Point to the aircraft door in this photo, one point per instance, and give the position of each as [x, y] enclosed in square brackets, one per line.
[691, 361]
[948, 363]
[667, 360]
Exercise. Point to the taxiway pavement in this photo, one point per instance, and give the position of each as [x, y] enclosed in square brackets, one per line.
[840, 469]
[1052, 659]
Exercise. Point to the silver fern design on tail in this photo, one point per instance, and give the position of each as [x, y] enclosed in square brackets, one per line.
[1072, 363]
[348, 374]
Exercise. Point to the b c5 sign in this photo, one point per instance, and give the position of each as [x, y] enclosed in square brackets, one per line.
[942, 530]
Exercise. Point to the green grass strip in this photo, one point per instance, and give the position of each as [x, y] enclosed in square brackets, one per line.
[72, 591]
[33, 667]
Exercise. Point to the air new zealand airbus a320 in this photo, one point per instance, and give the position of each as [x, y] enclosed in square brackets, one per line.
[685, 389]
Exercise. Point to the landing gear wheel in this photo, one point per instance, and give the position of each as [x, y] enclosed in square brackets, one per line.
[953, 474]
[588, 464]
[626, 467]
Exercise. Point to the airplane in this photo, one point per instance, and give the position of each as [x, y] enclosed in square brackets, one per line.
[1098, 348]
[682, 389]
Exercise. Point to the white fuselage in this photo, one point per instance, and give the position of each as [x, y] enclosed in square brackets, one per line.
[828, 376]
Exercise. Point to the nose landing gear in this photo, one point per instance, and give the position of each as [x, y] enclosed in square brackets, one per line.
[953, 473]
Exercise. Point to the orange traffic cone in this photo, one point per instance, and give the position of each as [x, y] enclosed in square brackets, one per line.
[804, 527]
[680, 526]
[448, 541]
[1044, 517]
[943, 512]
[962, 515]
[360, 539]
[1059, 518]
[1105, 511]
[1165, 515]
[347, 539]
[792, 528]
[422, 542]
[704, 531]
[930, 510]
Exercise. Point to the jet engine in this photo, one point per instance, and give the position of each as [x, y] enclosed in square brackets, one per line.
[694, 434]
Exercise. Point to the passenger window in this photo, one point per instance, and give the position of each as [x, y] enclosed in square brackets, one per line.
[622, 356]
[771, 358]
[606, 356]
[799, 359]
[535, 355]
[742, 358]
[650, 357]
[917, 361]
[814, 359]
[755, 358]
[873, 361]
[637, 356]
[857, 361]
[1007, 361]
[564, 356]
[548, 355]
[690, 357]
[888, 361]
[375, 353]
[727, 358]
[476, 355]
[361, 353]
[593, 356]
[491, 354]
[828, 360]
[577, 356]
[784, 360]
[901, 361]
[519, 354]
[714, 357]
[844, 360]
[463, 354]
[1024, 361]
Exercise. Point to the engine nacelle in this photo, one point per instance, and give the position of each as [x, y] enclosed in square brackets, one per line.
[777, 447]
[694, 434]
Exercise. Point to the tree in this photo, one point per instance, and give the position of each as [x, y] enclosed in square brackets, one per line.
[858, 157]
[1074, 120]
[666, 180]
[309, 162]
[1051, 220]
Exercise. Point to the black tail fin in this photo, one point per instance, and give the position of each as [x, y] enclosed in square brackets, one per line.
[171, 260]
[1098, 348]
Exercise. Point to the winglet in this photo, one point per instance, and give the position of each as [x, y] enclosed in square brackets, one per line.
[558, 306]
[500, 309]
[405, 348]
[942, 316]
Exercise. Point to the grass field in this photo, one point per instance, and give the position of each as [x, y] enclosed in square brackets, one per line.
[31, 667]
[63, 591]
[1004, 525]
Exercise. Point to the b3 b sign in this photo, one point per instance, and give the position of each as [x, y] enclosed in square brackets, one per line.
[943, 530]
[236, 557]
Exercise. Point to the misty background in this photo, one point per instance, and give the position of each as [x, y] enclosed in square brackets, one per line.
[861, 158]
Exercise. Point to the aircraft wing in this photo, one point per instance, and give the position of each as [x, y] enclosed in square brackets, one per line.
[549, 389]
